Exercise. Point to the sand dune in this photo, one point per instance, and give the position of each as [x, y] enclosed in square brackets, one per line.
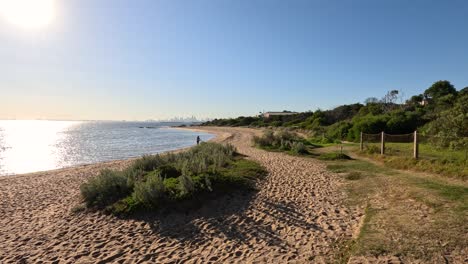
[297, 216]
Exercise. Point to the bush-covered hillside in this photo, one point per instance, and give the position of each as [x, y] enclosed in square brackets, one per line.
[441, 112]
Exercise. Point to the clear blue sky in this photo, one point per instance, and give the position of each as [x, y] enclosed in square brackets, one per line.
[120, 59]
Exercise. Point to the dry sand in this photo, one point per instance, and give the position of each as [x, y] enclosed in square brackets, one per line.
[298, 215]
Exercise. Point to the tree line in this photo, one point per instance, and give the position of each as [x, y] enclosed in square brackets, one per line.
[440, 112]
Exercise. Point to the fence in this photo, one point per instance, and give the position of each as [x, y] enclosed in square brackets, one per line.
[382, 142]
[411, 145]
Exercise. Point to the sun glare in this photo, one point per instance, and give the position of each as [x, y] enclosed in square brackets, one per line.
[28, 13]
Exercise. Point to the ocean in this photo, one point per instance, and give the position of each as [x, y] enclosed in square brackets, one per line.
[38, 145]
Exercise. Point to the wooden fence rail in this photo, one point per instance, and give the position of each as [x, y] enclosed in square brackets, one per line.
[382, 143]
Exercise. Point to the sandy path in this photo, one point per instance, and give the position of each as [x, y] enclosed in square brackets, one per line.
[297, 216]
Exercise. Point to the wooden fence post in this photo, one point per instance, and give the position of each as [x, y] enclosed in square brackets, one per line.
[361, 146]
[382, 144]
[416, 145]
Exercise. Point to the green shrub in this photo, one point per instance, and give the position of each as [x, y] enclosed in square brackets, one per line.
[124, 206]
[147, 163]
[367, 124]
[108, 187]
[171, 180]
[285, 145]
[187, 187]
[171, 185]
[321, 140]
[338, 130]
[133, 175]
[150, 192]
[283, 140]
[169, 171]
[299, 148]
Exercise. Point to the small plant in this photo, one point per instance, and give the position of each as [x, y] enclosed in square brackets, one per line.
[372, 149]
[109, 186]
[150, 192]
[299, 148]
[172, 187]
[186, 185]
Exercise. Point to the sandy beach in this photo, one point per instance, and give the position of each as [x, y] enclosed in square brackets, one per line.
[297, 216]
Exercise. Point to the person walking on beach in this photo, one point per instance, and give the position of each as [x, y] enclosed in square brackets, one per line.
[198, 140]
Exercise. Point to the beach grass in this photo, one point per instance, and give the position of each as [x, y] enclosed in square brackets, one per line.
[172, 181]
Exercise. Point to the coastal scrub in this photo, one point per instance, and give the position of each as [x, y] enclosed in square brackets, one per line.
[282, 140]
[172, 180]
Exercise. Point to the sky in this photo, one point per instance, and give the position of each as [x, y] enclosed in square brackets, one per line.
[156, 59]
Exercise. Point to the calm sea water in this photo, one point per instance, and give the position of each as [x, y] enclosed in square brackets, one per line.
[30, 146]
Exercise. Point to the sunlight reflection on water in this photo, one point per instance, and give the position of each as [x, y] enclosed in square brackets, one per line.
[29, 146]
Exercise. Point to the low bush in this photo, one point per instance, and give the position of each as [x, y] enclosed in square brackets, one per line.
[109, 186]
[168, 171]
[299, 148]
[282, 140]
[153, 182]
[323, 140]
[150, 192]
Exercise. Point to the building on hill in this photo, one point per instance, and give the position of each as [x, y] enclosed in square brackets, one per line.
[424, 102]
[284, 113]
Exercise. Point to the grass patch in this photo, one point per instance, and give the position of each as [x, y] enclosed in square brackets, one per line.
[448, 191]
[354, 176]
[419, 218]
[173, 181]
[442, 161]
[334, 156]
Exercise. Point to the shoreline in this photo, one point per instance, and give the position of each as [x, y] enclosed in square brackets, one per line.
[112, 163]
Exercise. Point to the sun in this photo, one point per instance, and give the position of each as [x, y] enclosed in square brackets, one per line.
[29, 14]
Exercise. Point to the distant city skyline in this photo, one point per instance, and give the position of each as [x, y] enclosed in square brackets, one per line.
[173, 119]
[140, 60]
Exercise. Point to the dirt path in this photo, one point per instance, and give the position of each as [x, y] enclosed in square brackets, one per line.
[297, 216]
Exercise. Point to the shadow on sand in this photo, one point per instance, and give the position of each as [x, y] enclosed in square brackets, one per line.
[231, 217]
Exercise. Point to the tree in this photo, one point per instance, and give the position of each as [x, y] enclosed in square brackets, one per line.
[391, 97]
[415, 100]
[341, 113]
[463, 92]
[440, 89]
[450, 128]
[389, 100]
[371, 100]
